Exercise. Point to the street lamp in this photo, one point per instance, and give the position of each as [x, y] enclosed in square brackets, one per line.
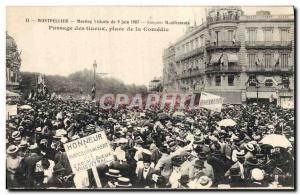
[94, 87]
[257, 86]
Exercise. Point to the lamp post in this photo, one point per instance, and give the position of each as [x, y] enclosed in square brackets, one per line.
[102, 73]
[94, 87]
[257, 86]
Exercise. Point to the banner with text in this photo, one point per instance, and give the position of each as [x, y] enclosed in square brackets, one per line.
[89, 152]
[211, 101]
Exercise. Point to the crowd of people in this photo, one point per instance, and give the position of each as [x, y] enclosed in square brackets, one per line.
[152, 148]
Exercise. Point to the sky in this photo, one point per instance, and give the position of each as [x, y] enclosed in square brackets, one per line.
[133, 57]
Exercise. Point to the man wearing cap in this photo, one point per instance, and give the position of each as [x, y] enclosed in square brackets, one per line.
[144, 175]
[239, 165]
[208, 169]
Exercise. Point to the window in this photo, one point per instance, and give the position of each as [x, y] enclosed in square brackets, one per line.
[218, 80]
[202, 40]
[251, 60]
[229, 35]
[284, 35]
[268, 35]
[267, 60]
[230, 80]
[251, 35]
[197, 43]
[285, 82]
[269, 83]
[192, 45]
[252, 81]
[284, 60]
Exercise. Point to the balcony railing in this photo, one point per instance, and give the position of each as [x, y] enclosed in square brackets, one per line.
[268, 44]
[196, 51]
[217, 19]
[223, 69]
[278, 69]
[260, 89]
[192, 73]
[223, 45]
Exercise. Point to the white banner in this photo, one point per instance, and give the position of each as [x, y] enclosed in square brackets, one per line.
[211, 101]
[288, 104]
[11, 110]
[89, 152]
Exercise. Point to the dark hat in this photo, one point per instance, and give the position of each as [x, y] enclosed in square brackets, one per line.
[163, 149]
[234, 172]
[146, 158]
[252, 162]
[202, 156]
[217, 153]
[184, 179]
[139, 140]
[199, 164]
[58, 168]
[177, 161]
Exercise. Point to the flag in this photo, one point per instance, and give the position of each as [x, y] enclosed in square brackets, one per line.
[41, 80]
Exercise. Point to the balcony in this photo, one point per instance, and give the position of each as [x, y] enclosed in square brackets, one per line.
[268, 44]
[190, 74]
[221, 19]
[223, 45]
[262, 70]
[221, 69]
[194, 52]
[260, 89]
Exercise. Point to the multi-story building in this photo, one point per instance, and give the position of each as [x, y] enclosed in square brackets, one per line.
[242, 58]
[13, 63]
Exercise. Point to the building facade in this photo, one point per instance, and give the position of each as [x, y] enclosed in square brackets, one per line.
[13, 64]
[243, 58]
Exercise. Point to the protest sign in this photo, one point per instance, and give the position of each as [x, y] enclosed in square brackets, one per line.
[11, 110]
[211, 102]
[288, 104]
[88, 153]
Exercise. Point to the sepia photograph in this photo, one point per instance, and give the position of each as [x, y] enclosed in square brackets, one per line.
[150, 98]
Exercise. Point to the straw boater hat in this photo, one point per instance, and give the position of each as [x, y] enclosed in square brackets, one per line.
[15, 134]
[23, 144]
[250, 147]
[113, 173]
[123, 182]
[60, 133]
[204, 182]
[257, 174]
[38, 130]
[12, 149]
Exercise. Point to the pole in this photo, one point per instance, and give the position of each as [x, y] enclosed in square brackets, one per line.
[96, 176]
[257, 94]
[95, 66]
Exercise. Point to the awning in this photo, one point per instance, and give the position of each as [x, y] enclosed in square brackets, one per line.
[230, 97]
[232, 57]
[215, 58]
